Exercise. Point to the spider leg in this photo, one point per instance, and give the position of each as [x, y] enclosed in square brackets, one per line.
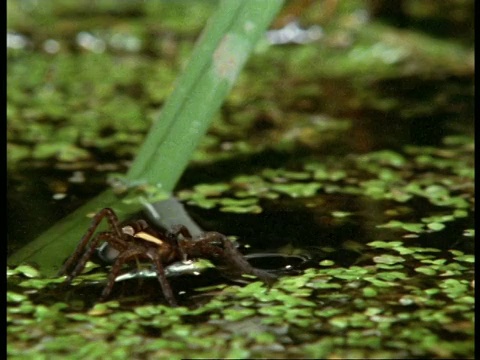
[134, 253]
[88, 254]
[112, 221]
[116, 267]
[221, 251]
[180, 230]
[234, 260]
[162, 279]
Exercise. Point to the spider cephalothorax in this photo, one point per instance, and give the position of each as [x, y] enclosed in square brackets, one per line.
[138, 241]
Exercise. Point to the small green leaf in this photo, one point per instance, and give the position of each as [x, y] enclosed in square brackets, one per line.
[425, 270]
[436, 226]
[27, 271]
[369, 292]
[15, 297]
[326, 263]
[388, 259]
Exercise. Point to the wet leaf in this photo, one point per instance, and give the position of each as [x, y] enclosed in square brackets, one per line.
[388, 259]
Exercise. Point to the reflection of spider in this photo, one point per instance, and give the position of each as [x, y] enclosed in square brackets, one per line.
[138, 241]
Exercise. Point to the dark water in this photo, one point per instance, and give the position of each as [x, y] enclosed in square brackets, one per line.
[418, 119]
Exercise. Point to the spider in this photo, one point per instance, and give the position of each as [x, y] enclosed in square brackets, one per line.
[138, 241]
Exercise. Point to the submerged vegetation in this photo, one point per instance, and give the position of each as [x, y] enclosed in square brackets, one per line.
[354, 152]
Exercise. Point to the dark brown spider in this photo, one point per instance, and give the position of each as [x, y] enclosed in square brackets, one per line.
[138, 241]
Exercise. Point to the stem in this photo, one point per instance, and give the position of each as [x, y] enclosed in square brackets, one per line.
[223, 49]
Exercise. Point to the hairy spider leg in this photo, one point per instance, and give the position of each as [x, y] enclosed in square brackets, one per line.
[103, 236]
[115, 270]
[113, 224]
[216, 247]
[236, 261]
[162, 278]
[136, 253]
[180, 230]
